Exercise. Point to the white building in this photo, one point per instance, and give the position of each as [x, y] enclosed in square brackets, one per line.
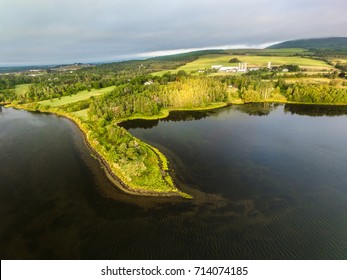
[228, 69]
[241, 68]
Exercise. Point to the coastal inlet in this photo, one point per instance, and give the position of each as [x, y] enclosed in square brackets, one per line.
[268, 182]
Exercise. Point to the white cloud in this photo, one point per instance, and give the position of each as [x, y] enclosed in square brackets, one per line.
[75, 30]
[224, 47]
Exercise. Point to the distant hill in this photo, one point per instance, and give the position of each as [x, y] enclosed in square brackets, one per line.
[13, 69]
[186, 56]
[334, 43]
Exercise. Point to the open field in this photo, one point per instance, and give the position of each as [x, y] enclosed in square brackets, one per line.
[81, 114]
[271, 52]
[206, 61]
[82, 95]
[21, 89]
[341, 60]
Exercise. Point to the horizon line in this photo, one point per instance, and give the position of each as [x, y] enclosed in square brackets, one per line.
[142, 55]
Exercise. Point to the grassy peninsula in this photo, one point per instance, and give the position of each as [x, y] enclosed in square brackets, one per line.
[98, 98]
[138, 167]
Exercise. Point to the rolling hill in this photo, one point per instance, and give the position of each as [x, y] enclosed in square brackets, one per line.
[334, 43]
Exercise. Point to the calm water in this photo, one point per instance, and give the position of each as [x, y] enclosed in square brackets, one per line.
[269, 182]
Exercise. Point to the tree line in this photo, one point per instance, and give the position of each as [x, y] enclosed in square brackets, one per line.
[138, 98]
[315, 93]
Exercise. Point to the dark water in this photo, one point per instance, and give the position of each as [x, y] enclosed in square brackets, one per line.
[269, 182]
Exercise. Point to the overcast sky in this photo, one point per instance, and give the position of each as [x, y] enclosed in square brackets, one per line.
[68, 31]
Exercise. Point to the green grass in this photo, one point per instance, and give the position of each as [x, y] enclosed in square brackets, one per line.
[261, 61]
[270, 52]
[341, 60]
[82, 95]
[206, 61]
[21, 89]
[83, 114]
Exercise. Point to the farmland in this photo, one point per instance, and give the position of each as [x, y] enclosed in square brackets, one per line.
[271, 52]
[257, 60]
[81, 114]
[82, 95]
[21, 89]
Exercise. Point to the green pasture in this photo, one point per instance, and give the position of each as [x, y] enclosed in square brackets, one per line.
[206, 61]
[285, 52]
[82, 95]
[341, 60]
[81, 114]
[271, 52]
[21, 89]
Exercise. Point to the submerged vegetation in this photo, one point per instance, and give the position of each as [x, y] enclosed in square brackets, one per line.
[98, 98]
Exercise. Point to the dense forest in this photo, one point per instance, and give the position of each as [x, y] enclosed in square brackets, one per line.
[49, 83]
[332, 43]
[138, 98]
[137, 164]
[139, 93]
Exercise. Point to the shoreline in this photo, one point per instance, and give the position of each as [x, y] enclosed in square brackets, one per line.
[279, 101]
[115, 180]
[166, 112]
[110, 174]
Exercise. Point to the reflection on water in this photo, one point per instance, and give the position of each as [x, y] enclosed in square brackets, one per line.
[316, 110]
[175, 116]
[258, 109]
[266, 185]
